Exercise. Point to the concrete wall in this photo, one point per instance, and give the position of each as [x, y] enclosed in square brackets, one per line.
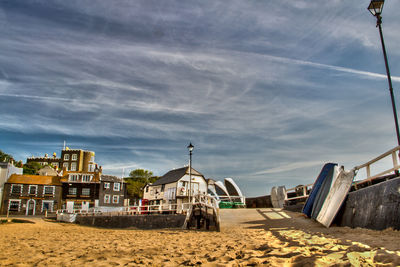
[158, 221]
[374, 207]
[259, 202]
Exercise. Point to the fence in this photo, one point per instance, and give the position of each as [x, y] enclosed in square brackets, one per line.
[182, 208]
[393, 153]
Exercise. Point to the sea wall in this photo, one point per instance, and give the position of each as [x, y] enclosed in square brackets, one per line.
[374, 207]
[157, 221]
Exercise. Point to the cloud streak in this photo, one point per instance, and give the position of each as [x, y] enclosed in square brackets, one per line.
[267, 92]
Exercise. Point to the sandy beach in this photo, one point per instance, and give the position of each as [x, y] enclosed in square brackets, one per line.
[247, 237]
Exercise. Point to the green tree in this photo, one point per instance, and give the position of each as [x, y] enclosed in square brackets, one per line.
[136, 182]
[4, 157]
[19, 164]
[31, 168]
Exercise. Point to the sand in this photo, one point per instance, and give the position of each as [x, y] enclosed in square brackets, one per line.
[248, 237]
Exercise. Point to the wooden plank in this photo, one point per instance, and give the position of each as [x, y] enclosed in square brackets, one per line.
[378, 175]
[394, 158]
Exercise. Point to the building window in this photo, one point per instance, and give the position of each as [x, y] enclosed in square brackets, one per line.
[47, 205]
[92, 159]
[86, 178]
[106, 185]
[73, 177]
[72, 191]
[73, 166]
[32, 189]
[16, 189]
[116, 186]
[14, 205]
[147, 189]
[74, 156]
[55, 165]
[66, 156]
[162, 187]
[91, 167]
[106, 198]
[48, 190]
[86, 191]
[65, 165]
[115, 199]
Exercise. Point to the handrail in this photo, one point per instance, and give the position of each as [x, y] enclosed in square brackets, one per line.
[367, 165]
[294, 190]
[204, 200]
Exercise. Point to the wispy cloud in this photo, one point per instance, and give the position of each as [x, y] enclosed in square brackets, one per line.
[263, 90]
[290, 167]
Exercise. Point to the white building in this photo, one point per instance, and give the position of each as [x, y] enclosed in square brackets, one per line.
[173, 187]
[6, 170]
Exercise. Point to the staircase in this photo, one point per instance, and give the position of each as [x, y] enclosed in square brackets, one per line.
[203, 213]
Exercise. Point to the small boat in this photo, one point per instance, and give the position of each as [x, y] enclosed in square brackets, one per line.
[307, 209]
[336, 196]
[324, 191]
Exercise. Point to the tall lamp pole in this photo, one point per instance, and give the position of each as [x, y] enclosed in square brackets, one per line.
[375, 7]
[190, 147]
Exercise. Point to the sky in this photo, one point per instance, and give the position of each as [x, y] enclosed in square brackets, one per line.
[266, 91]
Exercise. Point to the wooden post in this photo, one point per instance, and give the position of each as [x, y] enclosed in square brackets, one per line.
[394, 157]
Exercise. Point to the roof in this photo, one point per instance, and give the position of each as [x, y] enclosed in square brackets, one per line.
[48, 171]
[65, 175]
[110, 178]
[174, 175]
[34, 179]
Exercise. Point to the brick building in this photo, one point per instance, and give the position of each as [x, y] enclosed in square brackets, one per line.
[80, 190]
[31, 194]
[113, 191]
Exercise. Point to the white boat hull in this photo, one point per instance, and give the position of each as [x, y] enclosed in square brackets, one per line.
[335, 198]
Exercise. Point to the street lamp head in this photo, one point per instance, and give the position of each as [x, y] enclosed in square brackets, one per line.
[375, 7]
[190, 147]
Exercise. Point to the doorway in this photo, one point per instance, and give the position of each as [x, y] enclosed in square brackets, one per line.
[30, 207]
[70, 206]
[85, 205]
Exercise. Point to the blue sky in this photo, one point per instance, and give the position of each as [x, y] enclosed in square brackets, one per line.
[267, 91]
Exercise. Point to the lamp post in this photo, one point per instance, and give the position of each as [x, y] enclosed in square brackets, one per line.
[375, 7]
[190, 147]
